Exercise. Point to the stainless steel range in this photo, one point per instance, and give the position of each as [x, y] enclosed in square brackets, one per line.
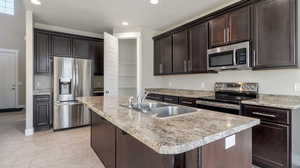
[71, 79]
[228, 97]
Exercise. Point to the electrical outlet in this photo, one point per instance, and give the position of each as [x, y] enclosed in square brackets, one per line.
[297, 87]
[229, 142]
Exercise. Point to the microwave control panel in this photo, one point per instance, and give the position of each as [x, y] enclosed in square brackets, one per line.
[241, 56]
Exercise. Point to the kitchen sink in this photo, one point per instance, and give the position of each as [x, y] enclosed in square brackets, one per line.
[161, 110]
[169, 111]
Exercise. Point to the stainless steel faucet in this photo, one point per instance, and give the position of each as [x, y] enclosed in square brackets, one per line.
[139, 100]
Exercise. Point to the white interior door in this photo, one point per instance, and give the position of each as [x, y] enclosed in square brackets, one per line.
[111, 65]
[8, 79]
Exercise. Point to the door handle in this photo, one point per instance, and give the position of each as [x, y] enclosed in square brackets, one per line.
[161, 68]
[185, 66]
[225, 39]
[228, 34]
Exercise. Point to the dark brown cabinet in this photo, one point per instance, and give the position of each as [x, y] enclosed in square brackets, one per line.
[96, 52]
[82, 48]
[230, 28]
[218, 31]
[133, 154]
[41, 52]
[103, 135]
[274, 34]
[198, 45]
[180, 52]
[163, 56]
[42, 113]
[271, 139]
[61, 46]
[239, 25]
[271, 145]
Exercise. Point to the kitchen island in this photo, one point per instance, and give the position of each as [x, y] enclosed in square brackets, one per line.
[126, 138]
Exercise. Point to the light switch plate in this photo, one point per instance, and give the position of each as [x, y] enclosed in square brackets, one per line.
[229, 142]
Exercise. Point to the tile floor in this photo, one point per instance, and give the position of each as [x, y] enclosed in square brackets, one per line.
[64, 149]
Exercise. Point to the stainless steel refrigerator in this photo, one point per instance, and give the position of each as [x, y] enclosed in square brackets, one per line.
[71, 79]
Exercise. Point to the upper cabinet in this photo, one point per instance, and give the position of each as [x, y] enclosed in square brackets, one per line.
[198, 45]
[96, 52]
[61, 46]
[81, 48]
[41, 52]
[163, 56]
[230, 28]
[180, 52]
[218, 31]
[274, 34]
[239, 25]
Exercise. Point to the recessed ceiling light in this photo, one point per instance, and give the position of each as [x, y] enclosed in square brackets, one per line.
[36, 2]
[154, 2]
[125, 23]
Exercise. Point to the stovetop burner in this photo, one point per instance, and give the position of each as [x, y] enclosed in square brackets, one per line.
[233, 93]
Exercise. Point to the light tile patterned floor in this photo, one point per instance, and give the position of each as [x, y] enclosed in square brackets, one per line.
[64, 149]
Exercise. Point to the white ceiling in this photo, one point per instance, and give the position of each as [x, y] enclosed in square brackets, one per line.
[98, 16]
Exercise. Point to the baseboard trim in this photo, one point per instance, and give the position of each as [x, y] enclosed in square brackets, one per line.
[29, 132]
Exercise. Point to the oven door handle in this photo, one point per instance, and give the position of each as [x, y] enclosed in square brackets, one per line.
[218, 104]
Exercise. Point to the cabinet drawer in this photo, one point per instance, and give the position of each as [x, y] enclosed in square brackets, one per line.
[275, 115]
[171, 99]
[155, 97]
[187, 101]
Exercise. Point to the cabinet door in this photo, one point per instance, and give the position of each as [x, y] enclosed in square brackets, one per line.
[99, 62]
[41, 53]
[271, 145]
[239, 25]
[81, 48]
[133, 154]
[103, 140]
[42, 112]
[198, 37]
[61, 46]
[180, 52]
[274, 33]
[165, 55]
[218, 31]
[157, 59]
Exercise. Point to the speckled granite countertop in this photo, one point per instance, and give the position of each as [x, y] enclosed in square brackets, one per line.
[276, 101]
[172, 135]
[181, 92]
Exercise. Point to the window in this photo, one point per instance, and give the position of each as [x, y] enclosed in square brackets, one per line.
[7, 7]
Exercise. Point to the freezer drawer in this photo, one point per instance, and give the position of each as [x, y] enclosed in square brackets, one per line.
[70, 115]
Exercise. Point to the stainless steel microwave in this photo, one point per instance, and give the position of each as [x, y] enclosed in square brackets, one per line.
[236, 56]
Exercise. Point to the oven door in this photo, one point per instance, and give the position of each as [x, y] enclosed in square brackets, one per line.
[221, 60]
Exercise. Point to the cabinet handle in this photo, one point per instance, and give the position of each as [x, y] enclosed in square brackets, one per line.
[161, 68]
[225, 39]
[254, 57]
[264, 115]
[169, 99]
[190, 65]
[228, 34]
[185, 65]
[186, 102]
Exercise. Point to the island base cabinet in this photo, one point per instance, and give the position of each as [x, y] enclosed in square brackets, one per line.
[103, 135]
[215, 155]
[117, 149]
[133, 154]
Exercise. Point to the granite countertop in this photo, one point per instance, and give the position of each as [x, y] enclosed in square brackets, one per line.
[276, 101]
[181, 92]
[267, 100]
[173, 135]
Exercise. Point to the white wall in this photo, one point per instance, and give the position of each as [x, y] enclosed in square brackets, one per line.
[270, 81]
[12, 33]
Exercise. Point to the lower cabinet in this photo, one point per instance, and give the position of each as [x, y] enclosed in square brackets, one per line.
[271, 139]
[103, 135]
[133, 154]
[42, 112]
